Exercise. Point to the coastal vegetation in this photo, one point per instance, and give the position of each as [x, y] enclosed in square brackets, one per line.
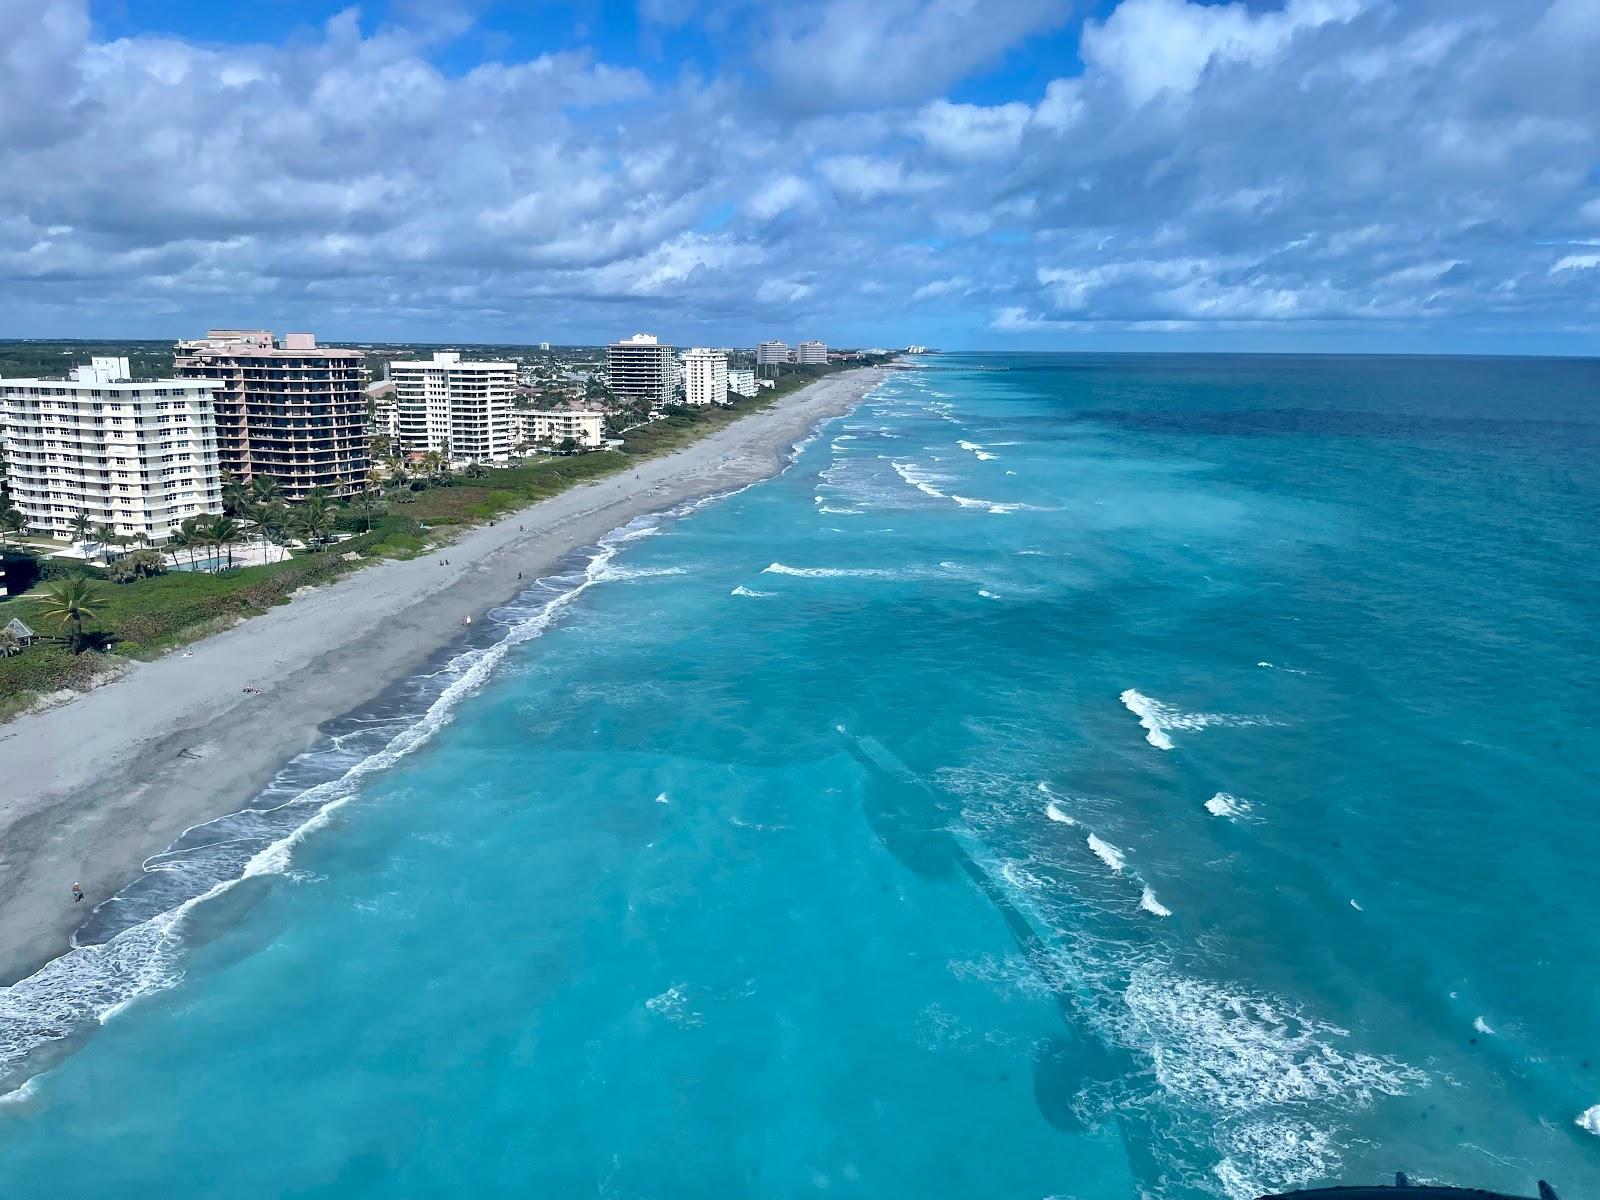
[140, 604]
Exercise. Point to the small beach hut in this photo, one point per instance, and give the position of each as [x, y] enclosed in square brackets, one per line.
[23, 635]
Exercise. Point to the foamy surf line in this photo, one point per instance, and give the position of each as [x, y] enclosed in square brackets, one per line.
[1158, 719]
[93, 983]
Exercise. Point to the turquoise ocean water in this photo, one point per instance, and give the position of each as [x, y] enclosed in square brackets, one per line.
[1075, 776]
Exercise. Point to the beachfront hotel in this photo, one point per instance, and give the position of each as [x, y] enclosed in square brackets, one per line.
[285, 409]
[811, 354]
[771, 354]
[465, 407]
[139, 456]
[742, 383]
[549, 428]
[641, 368]
[705, 377]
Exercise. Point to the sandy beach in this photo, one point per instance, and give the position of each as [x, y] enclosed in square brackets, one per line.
[95, 786]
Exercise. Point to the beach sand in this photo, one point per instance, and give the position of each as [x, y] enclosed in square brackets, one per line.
[95, 786]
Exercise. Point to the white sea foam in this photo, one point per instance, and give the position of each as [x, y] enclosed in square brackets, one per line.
[741, 590]
[1356, 906]
[1107, 853]
[1589, 1120]
[920, 479]
[987, 595]
[1225, 805]
[1158, 718]
[976, 451]
[824, 572]
[673, 1004]
[1149, 714]
[1148, 902]
[1055, 812]
[663, 798]
[1482, 1026]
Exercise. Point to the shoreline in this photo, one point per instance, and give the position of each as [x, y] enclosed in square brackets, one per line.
[103, 782]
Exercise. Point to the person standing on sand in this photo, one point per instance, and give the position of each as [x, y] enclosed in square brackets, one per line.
[77, 892]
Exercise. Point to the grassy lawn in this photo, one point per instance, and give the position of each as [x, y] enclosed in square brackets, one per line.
[148, 617]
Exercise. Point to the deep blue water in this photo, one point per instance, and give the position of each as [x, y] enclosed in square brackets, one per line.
[1096, 777]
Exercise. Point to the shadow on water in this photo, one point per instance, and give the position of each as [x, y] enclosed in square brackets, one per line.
[913, 822]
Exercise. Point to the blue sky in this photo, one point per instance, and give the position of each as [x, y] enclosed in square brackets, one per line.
[1339, 175]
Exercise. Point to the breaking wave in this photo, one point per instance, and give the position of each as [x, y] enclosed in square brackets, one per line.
[1158, 718]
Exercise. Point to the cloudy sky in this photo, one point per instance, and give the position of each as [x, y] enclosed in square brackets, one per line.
[1020, 174]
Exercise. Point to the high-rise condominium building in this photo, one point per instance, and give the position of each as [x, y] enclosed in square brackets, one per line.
[137, 456]
[641, 368]
[461, 408]
[808, 354]
[705, 377]
[771, 353]
[285, 409]
[742, 383]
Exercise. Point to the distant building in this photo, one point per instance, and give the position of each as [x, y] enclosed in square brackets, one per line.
[771, 353]
[284, 409]
[139, 457]
[544, 345]
[550, 428]
[742, 383]
[808, 354]
[705, 377]
[641, 368]
[465, 407]
[916, 349]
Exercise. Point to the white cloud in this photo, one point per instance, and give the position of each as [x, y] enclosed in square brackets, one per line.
[1153, 46]
[865, 177]
[971, 131]
[786, 193]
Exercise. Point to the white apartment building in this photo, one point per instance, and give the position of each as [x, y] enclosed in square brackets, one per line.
[139, 457]
[549, 428]
[811, 354]
[742, 383]
[771, 353]
[641, 368]
[466, 406]
[705, 377]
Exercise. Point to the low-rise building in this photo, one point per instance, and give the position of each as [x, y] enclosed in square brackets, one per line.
[705, 377]
[547, 429]
[742, 383]
[463, 408]
[140, 457]
[810, 354]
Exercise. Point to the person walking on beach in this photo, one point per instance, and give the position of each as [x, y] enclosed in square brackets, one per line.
[77, 892]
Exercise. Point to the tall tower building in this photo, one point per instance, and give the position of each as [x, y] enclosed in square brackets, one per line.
[285, 408]
[811, 354]
[772, 353]
[641, 368]
[464, 407]
[705, 377]
[137, 456]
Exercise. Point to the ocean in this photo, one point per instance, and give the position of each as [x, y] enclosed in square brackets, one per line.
[1075, 776]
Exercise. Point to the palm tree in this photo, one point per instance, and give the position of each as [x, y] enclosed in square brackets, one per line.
[314, 518]
[107, 537]
[235, 494]
[69, 603]
[224, 533]
[11, 521]
[179, 539]
[81, 525]
[190, 534]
